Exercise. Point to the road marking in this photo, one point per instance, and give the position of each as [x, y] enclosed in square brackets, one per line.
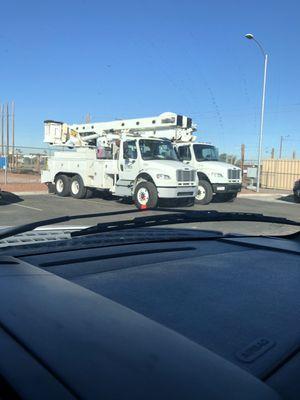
[21, 205]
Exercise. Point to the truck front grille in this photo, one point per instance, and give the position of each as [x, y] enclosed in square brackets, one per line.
[186, 176]
[234, 174]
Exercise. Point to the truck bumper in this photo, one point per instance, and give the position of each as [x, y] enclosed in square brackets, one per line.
[226, 187]
[176, 192]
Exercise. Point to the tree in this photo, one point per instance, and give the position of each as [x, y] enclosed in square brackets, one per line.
[229, 158]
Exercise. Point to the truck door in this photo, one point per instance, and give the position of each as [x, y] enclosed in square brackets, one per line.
[129, 165]
[184, 154]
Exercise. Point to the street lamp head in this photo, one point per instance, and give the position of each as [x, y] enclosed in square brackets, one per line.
[249, 36]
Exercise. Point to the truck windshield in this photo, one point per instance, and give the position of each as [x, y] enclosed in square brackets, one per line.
[204, 152]
[157, 150]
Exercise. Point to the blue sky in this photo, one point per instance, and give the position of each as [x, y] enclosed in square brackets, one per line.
[122, 59]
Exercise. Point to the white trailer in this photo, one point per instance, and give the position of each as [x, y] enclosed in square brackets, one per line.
[128, 158]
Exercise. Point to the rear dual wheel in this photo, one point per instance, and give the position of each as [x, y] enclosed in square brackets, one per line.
[62, 185]
[78, 190]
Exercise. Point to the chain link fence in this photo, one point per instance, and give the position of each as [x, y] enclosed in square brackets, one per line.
[21, 164]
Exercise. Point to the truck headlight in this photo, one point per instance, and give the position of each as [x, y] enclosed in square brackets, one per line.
[162, 176]
[217, 175]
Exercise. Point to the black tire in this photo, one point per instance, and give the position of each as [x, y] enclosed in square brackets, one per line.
[204, 194]
[62, 185]
[77, 188]
[149, 191]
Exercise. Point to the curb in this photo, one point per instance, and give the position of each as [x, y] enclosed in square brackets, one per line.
[263, 194]
[26, 193]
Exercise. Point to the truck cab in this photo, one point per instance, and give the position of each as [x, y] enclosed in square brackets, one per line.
[215, 178]
[149, 169]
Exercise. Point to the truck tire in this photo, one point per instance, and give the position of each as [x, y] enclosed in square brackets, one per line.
[204, 194]
[78, 190]
[145, 195]
[62, 185]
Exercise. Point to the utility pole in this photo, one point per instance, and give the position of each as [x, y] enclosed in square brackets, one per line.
[294, 155]
[2, 128]
[13, 131]
[7, 135]
[280, 147]
[242, 159]
[272, 153]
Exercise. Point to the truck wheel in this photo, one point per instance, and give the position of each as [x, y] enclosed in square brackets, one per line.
[62, 185]
[145, 195]
[204, 194]
[78, 190]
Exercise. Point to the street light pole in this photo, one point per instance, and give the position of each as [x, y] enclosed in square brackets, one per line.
[251, 37]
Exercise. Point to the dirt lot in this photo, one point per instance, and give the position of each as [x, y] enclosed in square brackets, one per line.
[22, 182]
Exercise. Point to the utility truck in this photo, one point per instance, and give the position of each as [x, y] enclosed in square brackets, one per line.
[127, 158]
[215, 178]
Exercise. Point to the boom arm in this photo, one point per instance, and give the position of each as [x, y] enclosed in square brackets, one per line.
[167, 125]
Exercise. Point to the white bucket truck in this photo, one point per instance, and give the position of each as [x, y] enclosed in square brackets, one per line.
[128, 158]
[215, 178]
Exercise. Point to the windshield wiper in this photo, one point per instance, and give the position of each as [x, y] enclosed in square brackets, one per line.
[180, 217]
[15, 230]
[170, 217]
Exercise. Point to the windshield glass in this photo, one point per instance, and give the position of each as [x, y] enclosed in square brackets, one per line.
[204, 152]
[82, 138]
[157, 150]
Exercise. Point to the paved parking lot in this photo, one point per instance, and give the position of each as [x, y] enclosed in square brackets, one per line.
[16, 210]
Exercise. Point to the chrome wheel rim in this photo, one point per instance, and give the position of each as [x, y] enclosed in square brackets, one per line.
[75, 187]
[143, 196]
[59, 185]
[201, 193]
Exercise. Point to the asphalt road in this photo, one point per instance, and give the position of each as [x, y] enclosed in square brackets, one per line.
[16, 210]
